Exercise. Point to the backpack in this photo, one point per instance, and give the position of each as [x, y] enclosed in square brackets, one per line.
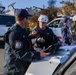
[5, 38]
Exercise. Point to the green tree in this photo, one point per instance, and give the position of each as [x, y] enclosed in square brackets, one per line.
[68, 8]
[51, 3]
[33, 22]
[50, 12]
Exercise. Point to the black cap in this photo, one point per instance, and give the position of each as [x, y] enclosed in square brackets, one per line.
[22, 13]
[65, 19]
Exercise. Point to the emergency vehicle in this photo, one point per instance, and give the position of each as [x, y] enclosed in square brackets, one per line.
[63, 62]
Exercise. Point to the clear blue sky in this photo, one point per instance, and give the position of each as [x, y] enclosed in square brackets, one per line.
[29, 3]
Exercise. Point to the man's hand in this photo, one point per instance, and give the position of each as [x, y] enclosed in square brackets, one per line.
[33, 32]
[64, 44]
[43, 54]
[41, 39]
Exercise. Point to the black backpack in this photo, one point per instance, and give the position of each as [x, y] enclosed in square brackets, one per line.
[6, 35]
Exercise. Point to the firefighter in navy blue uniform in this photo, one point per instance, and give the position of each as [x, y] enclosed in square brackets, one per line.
[17, 54]
[65, 31]
[73, 31]
[42, 35]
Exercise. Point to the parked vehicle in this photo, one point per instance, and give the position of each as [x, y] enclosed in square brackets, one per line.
[56, 25]
[6, 21]
[63, 62]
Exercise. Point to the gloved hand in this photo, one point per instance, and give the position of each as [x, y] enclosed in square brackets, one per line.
[44, 54]
[40, 39]
[33, 32]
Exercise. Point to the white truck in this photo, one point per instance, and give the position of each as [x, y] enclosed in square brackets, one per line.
[63, 62]
[6, 21]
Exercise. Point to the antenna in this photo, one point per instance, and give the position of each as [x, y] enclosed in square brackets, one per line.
[38, 8]
[12, 5]
[2, 8]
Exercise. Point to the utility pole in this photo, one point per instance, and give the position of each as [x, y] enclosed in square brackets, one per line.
[38, 8]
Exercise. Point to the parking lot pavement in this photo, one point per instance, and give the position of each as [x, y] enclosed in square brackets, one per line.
[1, 60]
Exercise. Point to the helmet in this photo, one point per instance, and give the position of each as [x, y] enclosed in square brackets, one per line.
[43, 18]
[74, 17]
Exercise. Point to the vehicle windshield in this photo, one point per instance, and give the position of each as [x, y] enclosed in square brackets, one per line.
[7, 20]
[69, 24]
[59, 23]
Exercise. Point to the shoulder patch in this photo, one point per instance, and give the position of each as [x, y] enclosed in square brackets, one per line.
[18, 45]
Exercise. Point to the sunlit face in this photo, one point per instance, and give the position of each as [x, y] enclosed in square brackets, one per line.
[42, 25]
[25, 22]
[68, 22]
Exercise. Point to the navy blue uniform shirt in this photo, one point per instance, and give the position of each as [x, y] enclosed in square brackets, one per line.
[65, 34]
[17, 55]
[47, 34]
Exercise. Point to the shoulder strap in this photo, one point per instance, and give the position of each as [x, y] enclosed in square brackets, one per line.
[5, 38]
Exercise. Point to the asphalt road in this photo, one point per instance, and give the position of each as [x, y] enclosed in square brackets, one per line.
[1, 57]
[1, 60]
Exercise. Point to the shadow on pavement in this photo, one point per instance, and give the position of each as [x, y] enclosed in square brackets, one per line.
[1, 57]
[2, 45]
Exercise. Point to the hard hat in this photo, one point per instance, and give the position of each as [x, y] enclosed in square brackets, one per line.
[43, 18]
[74, 18]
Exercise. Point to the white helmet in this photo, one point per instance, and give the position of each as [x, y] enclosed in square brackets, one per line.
[74, 17]
[43, 18]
